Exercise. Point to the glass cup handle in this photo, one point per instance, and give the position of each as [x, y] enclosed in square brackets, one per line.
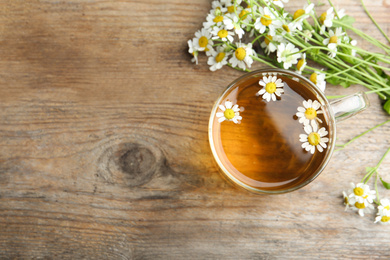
[348, 106]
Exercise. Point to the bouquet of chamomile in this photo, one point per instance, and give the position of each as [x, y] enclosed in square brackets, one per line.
[238, 33]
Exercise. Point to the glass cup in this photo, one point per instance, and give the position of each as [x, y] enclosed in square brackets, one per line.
[263, 142]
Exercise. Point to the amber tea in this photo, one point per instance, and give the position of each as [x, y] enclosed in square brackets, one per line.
[270, 132]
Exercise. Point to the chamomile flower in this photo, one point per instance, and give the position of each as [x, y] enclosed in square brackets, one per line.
[307, 35]
[309, 112]
[361, 192]
[334, 39]
[233, 7]
[202, 40]
[218, 7]
[289, 28]
[304, 13]
[229, 113]
[245, 15]
[346, 200]
[314, 138]
[318, 78]
[218, 58]
[193, 51]
[360, 207]
[288, 54]
[221, 33]
[279, 3]
[384, 206]
[383, 218]
[269, 43]
[267, 20]
[301, 64]
[242, 56]
[272, 87]
[233, 22]
[301, 14]
[326, 19]
[383, 212]
[213, 19]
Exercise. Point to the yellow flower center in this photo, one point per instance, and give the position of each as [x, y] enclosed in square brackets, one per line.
[385, 219]
[203, 41]
[314, 139]
[313, 78]
[322, 18]
[300, 64]
[387, 207]
[270, 87]
[346, 200]
[218, 19]
[310, 113]
[243, 14]
[358, 191]
[359, 205]
[220, 57]
[333, 39]
[285, 27]
[223, 33]
[240, 53]
[298, 13]
[231, 9]
[268, 39]
[229, 113]
[266, 20]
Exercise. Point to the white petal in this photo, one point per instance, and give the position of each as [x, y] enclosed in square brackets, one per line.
[235, 108]
[261, 92]
[301, 109]
[273, 97]
[228, 104]
[319, 148]
[304, 145]
[307, 129]
[312, 150]
[221, 119]
[219, 114]
[222, 107]
[262, 83]
[316, 105]
[314, 126]
[303, 136]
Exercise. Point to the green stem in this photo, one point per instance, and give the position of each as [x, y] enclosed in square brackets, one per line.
[263, 61]
[373, 20]
[358, 136]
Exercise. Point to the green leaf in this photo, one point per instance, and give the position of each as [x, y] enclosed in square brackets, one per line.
[345, 84]
[333, 80]
[347, 21]
[386, 106]
[385, 184]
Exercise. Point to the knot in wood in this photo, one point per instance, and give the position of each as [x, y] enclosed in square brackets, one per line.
[131, 163]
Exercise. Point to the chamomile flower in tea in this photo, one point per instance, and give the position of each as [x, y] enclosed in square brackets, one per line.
[309, 112]
[272, 87]
[314, 138]
[229, 113]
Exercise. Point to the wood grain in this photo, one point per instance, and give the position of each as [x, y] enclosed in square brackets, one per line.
[104, 151]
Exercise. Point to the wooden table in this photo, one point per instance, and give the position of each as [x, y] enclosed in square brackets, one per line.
[104, 148]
